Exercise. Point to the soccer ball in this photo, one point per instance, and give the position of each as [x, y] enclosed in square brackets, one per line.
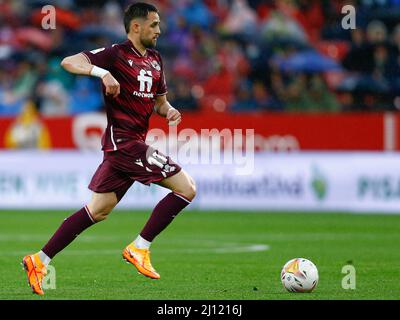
[299, 275]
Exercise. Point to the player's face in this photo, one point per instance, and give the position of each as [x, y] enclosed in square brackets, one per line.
[150, 30]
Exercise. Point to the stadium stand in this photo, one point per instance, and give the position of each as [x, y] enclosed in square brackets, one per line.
[222, 56]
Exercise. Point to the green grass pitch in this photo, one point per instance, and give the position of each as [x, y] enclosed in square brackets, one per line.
[208, 255]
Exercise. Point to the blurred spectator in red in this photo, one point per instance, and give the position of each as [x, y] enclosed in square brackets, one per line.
[221, 82]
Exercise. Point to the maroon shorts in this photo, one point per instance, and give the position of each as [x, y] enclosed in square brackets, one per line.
[135, 162]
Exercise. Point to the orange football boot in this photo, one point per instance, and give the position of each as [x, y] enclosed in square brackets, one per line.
[140, 258]
[35, 271]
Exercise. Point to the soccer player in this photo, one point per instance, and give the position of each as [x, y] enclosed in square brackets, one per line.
[133, 87]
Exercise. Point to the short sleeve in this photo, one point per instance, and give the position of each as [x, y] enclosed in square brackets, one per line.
[102, 57]
[162, 86]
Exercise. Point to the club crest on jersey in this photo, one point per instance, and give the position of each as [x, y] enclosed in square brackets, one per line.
[155, 65]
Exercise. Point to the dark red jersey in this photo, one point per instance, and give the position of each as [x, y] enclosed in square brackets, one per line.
[141, 80]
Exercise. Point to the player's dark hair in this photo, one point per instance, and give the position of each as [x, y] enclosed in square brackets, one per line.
[137, 10]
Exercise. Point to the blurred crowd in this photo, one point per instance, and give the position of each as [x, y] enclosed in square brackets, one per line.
[219, 55]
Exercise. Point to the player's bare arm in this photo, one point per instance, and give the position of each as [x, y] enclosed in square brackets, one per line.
[164, 109]
[78, 64]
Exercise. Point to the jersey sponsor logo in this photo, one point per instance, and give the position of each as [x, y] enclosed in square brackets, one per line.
[146, 82]
[143, 95]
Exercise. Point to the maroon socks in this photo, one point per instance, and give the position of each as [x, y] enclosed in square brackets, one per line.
[68, 231]
[162, 215]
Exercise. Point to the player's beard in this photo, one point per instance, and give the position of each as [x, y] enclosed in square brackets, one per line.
[148, 42]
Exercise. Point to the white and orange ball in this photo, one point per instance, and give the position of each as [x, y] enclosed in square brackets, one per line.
[299, 275]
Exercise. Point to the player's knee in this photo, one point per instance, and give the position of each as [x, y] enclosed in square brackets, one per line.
[100, 211]
[190, 190]
[100, 215]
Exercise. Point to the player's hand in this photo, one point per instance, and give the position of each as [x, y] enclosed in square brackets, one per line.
[112, 85]
[174, 117]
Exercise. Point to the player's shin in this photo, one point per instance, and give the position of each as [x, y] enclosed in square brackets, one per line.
[68, 231]
[163, 214]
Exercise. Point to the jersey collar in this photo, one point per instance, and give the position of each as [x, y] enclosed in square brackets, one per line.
[136, 51]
